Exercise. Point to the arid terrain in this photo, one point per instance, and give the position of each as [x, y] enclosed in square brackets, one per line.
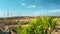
[8, 24]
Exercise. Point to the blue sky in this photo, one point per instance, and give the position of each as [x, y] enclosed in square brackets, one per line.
[9, 8]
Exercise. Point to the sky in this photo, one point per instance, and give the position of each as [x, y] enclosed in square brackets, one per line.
[10, 8]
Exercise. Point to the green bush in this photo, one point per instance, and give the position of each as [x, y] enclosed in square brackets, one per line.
[39, 25]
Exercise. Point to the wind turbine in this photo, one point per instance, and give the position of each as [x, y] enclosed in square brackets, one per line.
[7, 13]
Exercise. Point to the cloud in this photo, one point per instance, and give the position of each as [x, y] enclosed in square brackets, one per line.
[46, 12]
[32, 6]
[38, 1]
[23, 4]
[7, 14]
[3, 14]
[51, 11]
[23, 0]
[35, 13]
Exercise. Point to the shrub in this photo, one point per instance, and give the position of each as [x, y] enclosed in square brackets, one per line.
[39, 25]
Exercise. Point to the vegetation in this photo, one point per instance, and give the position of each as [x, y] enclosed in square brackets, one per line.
[39, 25]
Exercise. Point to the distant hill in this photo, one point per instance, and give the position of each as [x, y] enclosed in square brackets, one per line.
[15, 19]
[22, 18]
